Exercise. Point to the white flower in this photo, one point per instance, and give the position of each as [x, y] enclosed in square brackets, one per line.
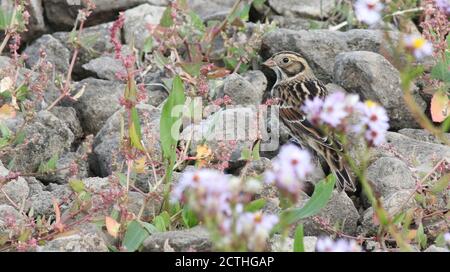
[289, 170]
[376, 121]
[334, 109]
[447, 238]
[368, 11]
[326, 244]
[255, 228]
[420, 47]
[313, 108]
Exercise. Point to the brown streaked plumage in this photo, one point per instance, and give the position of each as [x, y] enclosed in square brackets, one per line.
[296, 83]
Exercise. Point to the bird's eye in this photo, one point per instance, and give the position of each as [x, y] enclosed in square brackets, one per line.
[285, 60]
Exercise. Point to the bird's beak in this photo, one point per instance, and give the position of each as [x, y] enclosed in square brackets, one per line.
[269, 63]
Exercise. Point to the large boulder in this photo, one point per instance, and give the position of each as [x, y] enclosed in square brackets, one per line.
[372, 77]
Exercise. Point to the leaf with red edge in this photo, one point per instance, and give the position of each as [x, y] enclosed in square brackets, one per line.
[440, 107]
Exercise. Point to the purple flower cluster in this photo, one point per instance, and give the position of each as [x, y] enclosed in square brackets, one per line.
[326, 244]
[289, 170]
[443, 5]
[219, 199]
[345, 113]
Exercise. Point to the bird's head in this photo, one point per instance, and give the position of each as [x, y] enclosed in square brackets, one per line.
[287, 64]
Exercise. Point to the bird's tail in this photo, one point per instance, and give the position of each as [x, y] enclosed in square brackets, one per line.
[333, 162]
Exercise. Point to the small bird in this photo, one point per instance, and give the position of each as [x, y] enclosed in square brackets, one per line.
[295, 84]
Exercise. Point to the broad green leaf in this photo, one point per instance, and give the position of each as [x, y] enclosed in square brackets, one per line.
[166, 19]
[22, 93]
[135, 130]
[168, 123]
[162, 221]
[258, 3]
[255, 205]
[441, 72]
[77, 186]
[244, 13]
[148, 44]
[299, 245]
[189, 218]
[150, 227]
[192, 68]
[255, 151]
[20, 137]
[421, 238]
[322, 194]
[6, 133]
[196, 21]
[134, 236]
[246, 154]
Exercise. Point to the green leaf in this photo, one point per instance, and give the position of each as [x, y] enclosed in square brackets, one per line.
[122, 179]
[6, 133]
[244, 13]
[196, 21]
[441, 72]
[421, 238]
[255, 151]
[20, 137]
[322, 194]
[192, 68]
[135, 130]
[169, 125]
[148, 44]
[22, 93]
[150, 227]
[255, 205]
[77, 186]
[189, 218]
[166, 19]
[299, 245]
[134, 236]
[246, 154]
[441, 184]
[258, 3]
[48, 166]
[162, 221]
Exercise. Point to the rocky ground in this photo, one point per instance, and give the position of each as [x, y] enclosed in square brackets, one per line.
[354, 60]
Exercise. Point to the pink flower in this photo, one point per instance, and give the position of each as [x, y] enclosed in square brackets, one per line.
[376, 121]
[255, 228]
[313, 108]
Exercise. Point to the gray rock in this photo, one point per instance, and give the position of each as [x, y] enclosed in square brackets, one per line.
[86, 239]
[136, 21]
[241, 91]
[195, 239]
[48, 136]
[105, 67]
[69, 116]
[340, 210]
[233, 124]
[208, 8]
[434, 248]
[372, 77]
[57, 54]
[389, 175]
[422, 156]
[277, 244]
[61, 14]
[99, 101]
[63, 163]
[397, 202]
[8, 212]
[151, 208]
[422, 135]
[258, 167]
[15, 190]
[97, 41]
[39, 199]
[303, 8]
[296, 23]
[318, 47]
[107, 141]
[257, 79]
